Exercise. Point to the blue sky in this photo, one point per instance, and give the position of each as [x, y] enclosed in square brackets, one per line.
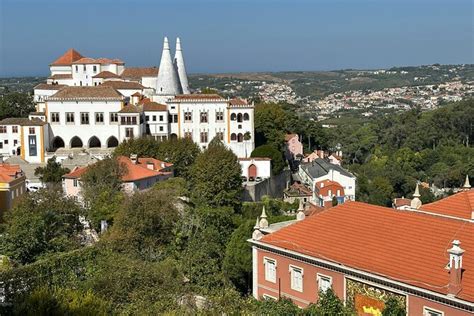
[238, 35]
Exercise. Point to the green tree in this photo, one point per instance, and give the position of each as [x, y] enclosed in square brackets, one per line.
[101, 189]
[146, 223]
[16, 104]
[58, 301]
[237, 265]
[52, 172]
[329, 304]
[216, 177]
[181, 152]
[269, 151]
[43, 222]
[271, 122]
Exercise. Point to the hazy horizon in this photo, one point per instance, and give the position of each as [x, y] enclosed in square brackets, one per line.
[238, 36]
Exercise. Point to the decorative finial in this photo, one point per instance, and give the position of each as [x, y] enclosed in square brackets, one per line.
[257, 234]
[263, 219]
[467, 185]
[416, 202]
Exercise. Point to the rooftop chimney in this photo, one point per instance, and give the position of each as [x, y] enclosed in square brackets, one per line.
[150, 165]
[300, 215]
[455, 268]
[134, 158]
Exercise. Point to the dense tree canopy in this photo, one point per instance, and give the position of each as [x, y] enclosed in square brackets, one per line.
[16, 104]
[269, 151]
[43, 222]
[216, 176]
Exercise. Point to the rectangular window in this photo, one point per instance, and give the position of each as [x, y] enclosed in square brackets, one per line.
[55, 117]
[270, 269]
[84, 118]
[3, 129]
[32, 145]
[75, 183]
[269, 297]
[129, 132]
[431, 312]
[188, 117]
[188, 135]
[203, 116]
[84, 67]
[77, 68]
[161, 128]
[175, 118]
[69, 117]
[31, 131]
[99, 117]
[1, 145]
[324, 282]
[161, 118]
[203, 137]
[94, 68]
[147, 118]
[15, 129]
[6, 141]
[219, 116]
[113, 117]
[15, 142]
[296, 277]
[220, 135]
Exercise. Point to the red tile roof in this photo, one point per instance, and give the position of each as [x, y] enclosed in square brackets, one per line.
[60, 76]
[67, 59]
[76, 173]
[190, 97]
[133, 172]
[106, 74]
[124, 85]
[102, 92]
[458, 205]
[405, 246]
[45, 86]
[153, 106]
[137, 73]
[86, 60]
[9, 173]
[108, 61]
[238, 101]
[325, 185]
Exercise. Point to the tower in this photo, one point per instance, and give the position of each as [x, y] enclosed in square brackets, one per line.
[167, 83]
[180, 68]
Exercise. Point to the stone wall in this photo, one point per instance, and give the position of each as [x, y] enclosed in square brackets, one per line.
[272, 187]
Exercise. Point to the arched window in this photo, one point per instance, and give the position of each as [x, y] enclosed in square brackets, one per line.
[233, 117]
[239, 117]
[112, 142]
[76, 142]
[233, 137]
[246, 117]
[240, 137]
[94, 142]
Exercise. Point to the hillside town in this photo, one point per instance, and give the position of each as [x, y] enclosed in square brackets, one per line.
[145, 191]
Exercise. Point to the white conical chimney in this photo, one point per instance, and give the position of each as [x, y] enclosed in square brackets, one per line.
[180, 68]
[167, 83]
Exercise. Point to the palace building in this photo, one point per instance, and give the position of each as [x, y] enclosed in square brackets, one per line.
[96, 103]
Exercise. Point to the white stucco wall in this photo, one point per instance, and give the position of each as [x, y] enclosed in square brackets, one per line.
[264, 167]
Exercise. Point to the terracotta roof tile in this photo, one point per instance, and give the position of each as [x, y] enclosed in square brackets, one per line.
[406, 246]
[22, 121]
[9, 173]
[137, 73]
[67, 59]
[131, 109]
[87, 93]
[191, 97]
[106, 74]
[86, 60]
[153, 106]
[132, 85]
[458, 205]
[60, 76]
[76, 173]
[45, 86]
[238, 101]
[108, 61]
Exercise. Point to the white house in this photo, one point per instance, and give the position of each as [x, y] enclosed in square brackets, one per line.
[253, 168]
[319, 169]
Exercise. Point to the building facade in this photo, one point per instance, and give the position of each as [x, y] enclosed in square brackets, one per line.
[12, 186]
[98, 103]
[366, 254]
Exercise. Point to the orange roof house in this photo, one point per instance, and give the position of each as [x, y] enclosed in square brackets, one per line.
[12, 185]
[139, 174]
[424, 257]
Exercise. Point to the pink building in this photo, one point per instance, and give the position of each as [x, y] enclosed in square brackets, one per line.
[293, 146]
[139, 174]
[423, 257]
